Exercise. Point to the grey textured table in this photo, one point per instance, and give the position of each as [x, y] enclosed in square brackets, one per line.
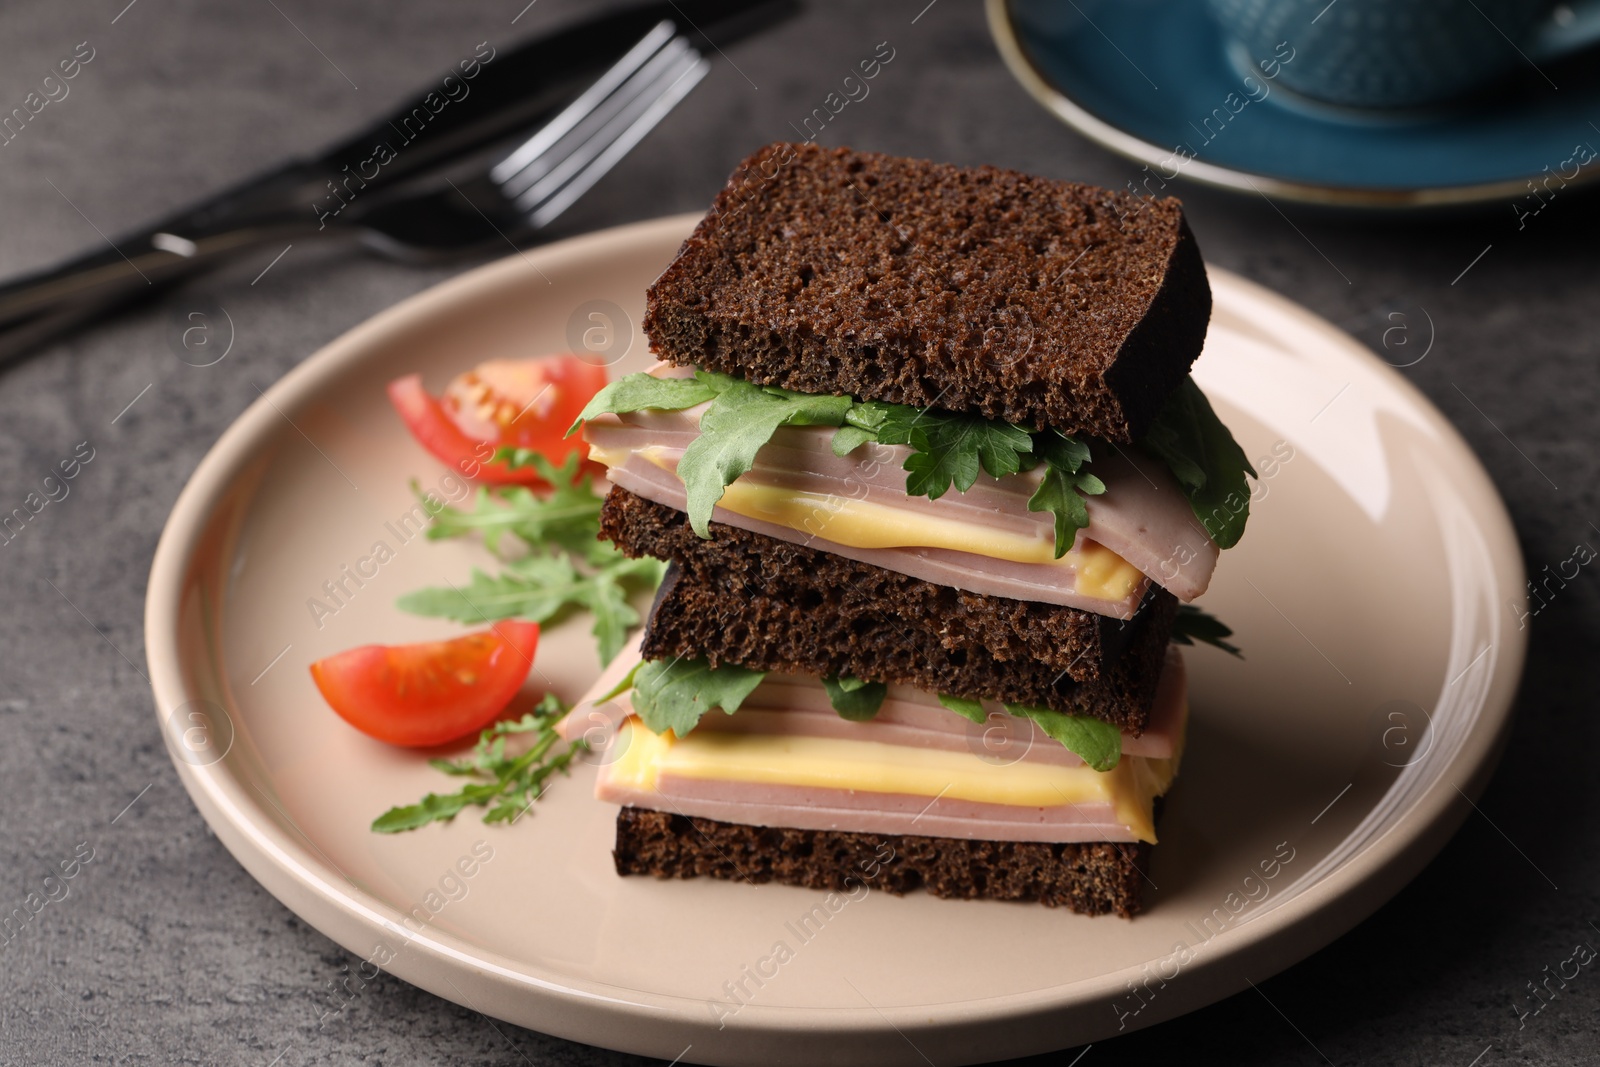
[164, 951]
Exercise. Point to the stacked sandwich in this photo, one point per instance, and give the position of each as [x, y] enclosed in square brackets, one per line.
[923, 452]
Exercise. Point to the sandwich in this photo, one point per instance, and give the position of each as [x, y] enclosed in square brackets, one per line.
[936, 491]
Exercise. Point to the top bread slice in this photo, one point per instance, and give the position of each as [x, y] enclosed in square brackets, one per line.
[976, 290]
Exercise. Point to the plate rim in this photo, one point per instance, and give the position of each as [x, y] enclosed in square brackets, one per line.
[1392, 199]
[585, 1010]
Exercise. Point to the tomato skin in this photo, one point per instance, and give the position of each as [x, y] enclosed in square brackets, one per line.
[428, 693]
[544, 399]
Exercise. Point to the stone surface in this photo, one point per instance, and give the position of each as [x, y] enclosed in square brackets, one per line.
[166, 952]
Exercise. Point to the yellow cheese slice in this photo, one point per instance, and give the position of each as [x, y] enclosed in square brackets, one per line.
[875, 767]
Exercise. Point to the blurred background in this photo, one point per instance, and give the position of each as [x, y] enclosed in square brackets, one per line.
[171, 953]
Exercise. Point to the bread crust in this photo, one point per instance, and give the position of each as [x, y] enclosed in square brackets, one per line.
[981, 290]
[1097, 878]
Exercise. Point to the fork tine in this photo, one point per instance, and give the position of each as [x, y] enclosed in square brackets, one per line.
[643, 94]
[530, 150]
[559, 197]
[631, 95]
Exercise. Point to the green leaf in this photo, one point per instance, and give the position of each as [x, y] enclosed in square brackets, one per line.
[1058, 450]
[1058, 493]
[896, 424]
[715, 380]
[1209, 464]
[673, 694]
[570, 566]
[872, 414]
[568, 514]
[639, 391]
[1064, 485]
[855, 699]
[1194, 624]
[949, 449]
[930, 473]
[1000, 445]
[847, 438]
[1098, 743]
[741, 419]
[515, 459]
[862, 423]
[411, 816]
[970, 709]
[451, 766]
[541, 588]
[535, 588]
[511, 783]
[550, 707]
[607, 599]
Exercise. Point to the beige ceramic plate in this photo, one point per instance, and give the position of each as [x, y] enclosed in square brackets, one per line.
[1374, 596]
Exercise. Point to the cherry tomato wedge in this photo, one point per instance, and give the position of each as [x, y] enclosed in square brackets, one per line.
[524, 403]
[432, 692]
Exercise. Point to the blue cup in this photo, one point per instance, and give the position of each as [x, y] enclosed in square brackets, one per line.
[1402, 53]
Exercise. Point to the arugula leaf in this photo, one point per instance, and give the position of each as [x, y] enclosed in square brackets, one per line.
[862, 423]
[637, 392]
[965, 707]
[931, 473]
[1060, 451]
[1195, 624]
[741, 419]
[848, 438]
[855, 699]
[1001, 447]
[562, 528]
[896, 424]
[1209, 464]
[541, 587]
[568, 515]
[1062, 494]
[673, 694]
[511, 783]
[949, 449]
[607, 600]
[1098, 743]
[1064, 486]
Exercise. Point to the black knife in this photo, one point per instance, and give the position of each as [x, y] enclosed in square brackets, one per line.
[509, 92]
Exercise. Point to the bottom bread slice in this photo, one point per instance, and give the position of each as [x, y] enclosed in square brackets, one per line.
[1092, 879]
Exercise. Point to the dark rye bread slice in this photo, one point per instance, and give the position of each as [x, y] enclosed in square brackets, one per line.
[697, 618]
[858, 596]
[768, 604]
[981, 290]
[1093, 879]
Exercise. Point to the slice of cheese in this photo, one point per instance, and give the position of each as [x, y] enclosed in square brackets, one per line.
[873, 767]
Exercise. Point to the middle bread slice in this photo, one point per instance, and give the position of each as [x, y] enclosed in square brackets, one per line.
[768, 604]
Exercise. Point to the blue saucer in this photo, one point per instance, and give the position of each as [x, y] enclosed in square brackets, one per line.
[1151, 79]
